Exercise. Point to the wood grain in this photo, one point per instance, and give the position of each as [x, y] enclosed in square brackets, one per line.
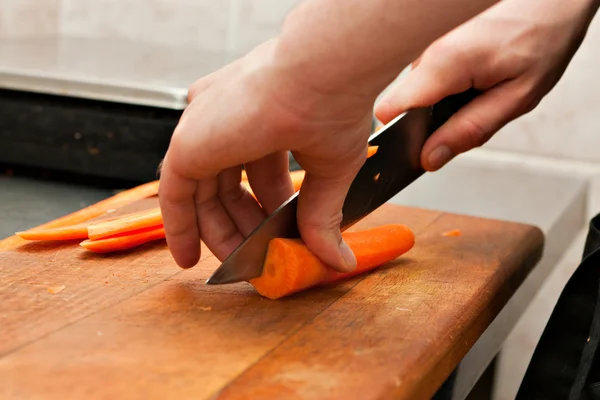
[155, 331]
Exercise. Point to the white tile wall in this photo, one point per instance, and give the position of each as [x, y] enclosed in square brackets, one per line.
[567, 122]
[255, 21]
[199, 24]
[26, 18]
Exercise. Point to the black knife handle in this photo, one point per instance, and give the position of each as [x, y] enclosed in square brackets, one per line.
[442, 111]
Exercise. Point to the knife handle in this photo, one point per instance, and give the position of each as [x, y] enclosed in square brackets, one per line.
[443, 110]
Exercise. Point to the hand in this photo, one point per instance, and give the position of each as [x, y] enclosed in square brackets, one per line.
[251, 112]
[515, 52]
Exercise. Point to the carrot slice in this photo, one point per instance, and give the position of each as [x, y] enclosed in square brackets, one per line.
[127, 223]
[70, 232]
[290, 267]
[123, 242]
[372, 150]
[297, 179]
[119, 200]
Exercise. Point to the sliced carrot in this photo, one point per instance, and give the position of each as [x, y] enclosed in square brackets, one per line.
[454, 232]
[119, 200]
[297, 179]
[123, 242]
[372, 150]
[296, 174]
[70, 232]
[126, 223]
[290, 267]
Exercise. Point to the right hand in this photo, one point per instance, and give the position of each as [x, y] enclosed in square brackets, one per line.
[514, 52]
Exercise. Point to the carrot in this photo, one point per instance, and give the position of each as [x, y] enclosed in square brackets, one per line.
[371, 151]
[70, 232]
[119, 200]
[300, 173]
[297, 179]
[124, 241]
[131, 222]
[290, 267]
[454, 232]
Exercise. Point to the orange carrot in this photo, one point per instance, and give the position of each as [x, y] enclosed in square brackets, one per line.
[299, 174]
[68, 232]
[127, 223]
[372, 150]
[297, 178]
[290, 267]
[454, 232]
[119, 200]
[124, 241]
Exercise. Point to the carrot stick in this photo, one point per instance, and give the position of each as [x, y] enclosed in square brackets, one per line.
[290, 267]
[119, 200]
[70, 232]
[123, 242]
[127, 223]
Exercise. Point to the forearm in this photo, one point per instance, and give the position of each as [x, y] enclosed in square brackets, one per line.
[358, 47]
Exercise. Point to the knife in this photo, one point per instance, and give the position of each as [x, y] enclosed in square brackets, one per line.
[394, 166]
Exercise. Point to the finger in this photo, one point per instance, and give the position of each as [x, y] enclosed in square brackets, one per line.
[270, 180]
[202, 145]
[216, 228]
[320, 214]
[176, 198]
[432, 80]
[239, 204]
[475, 123]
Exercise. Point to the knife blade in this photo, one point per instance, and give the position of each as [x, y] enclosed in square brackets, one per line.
[394, 166]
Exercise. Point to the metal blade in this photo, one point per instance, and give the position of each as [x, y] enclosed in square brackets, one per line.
[394, 167]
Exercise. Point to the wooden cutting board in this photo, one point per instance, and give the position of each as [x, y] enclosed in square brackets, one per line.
[135, 326]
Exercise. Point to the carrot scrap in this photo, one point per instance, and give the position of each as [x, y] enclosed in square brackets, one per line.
[56, 289]
[127, 223]
[124, 241]
[372, 150]
[290, 267]
[454, 232]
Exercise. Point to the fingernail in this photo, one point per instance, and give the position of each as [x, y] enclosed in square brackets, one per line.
[348, 255]
[439, 157]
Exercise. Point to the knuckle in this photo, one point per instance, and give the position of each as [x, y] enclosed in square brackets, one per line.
[527, 97]
[233, 195]
[474, 132]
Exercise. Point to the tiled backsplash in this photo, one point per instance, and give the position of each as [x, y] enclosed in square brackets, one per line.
[565, 124]
[235, 26]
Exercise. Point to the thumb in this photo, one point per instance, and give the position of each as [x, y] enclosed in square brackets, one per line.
[431, 79]
[476, 123]
[320, 214]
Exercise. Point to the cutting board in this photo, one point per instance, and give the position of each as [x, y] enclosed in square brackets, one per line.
[135, 326]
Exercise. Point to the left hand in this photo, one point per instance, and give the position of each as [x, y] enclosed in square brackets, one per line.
[515, 52]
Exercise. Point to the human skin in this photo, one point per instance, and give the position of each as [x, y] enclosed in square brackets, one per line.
[515, 53]
[310, 91]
